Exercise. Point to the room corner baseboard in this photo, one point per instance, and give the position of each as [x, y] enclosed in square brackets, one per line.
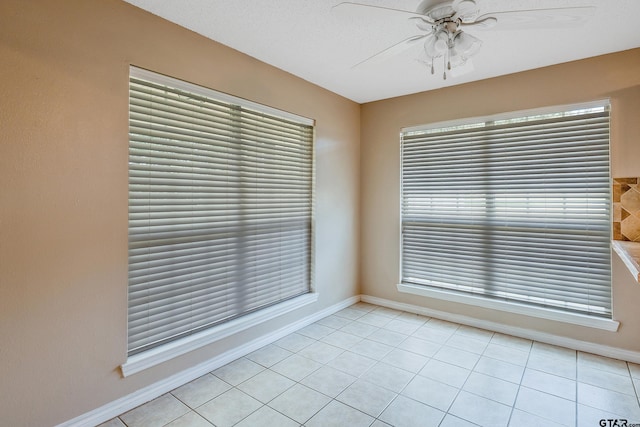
[589, 347]
[137, 398]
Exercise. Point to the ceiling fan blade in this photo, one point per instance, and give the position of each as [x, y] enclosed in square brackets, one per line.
[466, 10]
[392, 50]
[358, 10]
[564, 17]
[484, 24]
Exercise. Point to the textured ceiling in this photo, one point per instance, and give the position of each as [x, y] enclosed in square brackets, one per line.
[307, 39]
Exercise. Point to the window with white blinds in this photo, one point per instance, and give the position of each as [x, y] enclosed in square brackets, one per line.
[515, 208]
[220, 208]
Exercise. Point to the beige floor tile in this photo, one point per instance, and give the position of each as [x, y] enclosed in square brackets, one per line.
[507, 354]
[385, 311]
[551, 384]
[466, 343]
[333, 321]
[299, 403]
[594, 361]
[455, 356]
[608, 400]
[157, 412]
[523, 419]
[442, 325]
[499, 369]
[364, 306]
[269, 355]
[552, 408]
[480, 410]
[453, 421]
[427, 333]
[350, 313]
[114, 422]
[352, 363]
[371, 349]
[190, 419]
[608, 380]
[267, 416]
[492, 388]
[553, 351]
[419, 346]
[404, 412]
[296, 367]
[336, 414]
[266, 385]
[321, 352]
[511, 341]
[315, 331]
[588, 416]
[416, 319]
[328, 381]
[401, 326]
[431, 392]
[238, 371]
[387, 337]
[294, 342]
[561, 367]
[342, 339]
[406, 360]
[445, 373]
[201, 390]
[359, 329]
[475, 333]
[366, 397]
[375, 319]
[387, 376]
[634, 368]
[229, 408]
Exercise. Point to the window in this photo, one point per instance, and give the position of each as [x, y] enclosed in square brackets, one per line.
[515, 208]
[220, 208]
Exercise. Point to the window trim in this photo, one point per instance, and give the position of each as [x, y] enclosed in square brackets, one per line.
[167, 351]
[510, 306]
[152, 357]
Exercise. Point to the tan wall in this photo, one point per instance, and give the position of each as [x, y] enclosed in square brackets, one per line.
[615, 76]
[63, 193]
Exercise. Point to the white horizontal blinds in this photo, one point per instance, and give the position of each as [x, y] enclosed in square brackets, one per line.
[514, 209]
[220, 205]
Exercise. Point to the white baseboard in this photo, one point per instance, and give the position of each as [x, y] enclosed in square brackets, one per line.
[137, 398]
[589, 347]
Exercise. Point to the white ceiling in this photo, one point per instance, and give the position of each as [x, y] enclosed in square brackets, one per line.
[307, 39]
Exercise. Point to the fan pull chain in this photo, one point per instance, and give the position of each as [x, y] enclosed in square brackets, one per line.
[433, 70]
[444, 73]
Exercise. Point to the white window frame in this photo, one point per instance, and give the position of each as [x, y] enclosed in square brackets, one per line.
[154, 356]
[494, 304]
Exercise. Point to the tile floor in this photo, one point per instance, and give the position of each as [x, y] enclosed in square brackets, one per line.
[373, 366]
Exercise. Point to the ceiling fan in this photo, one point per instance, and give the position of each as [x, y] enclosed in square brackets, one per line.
[443, 27]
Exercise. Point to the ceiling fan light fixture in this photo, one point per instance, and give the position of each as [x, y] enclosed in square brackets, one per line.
[436, 45]
[466, 44]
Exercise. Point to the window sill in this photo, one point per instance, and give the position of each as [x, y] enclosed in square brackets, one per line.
[629, 253]
[513, 307]
[155, 356]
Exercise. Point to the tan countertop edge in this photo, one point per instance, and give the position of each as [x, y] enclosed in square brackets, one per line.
[629, 252]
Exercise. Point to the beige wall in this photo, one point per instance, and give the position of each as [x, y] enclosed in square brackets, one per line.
[615, 76]
[63, 194]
